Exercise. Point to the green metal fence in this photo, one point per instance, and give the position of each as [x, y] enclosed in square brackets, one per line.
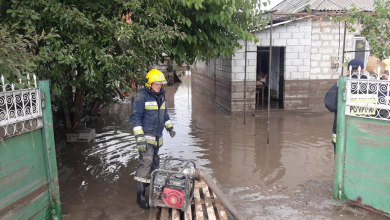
[362, 173]
[28, 171]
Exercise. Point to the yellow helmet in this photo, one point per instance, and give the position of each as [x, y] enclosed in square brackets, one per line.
[155, 76]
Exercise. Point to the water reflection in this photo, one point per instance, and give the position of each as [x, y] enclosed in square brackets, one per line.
[290, 178]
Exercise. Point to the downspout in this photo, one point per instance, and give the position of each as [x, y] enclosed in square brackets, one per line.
[269, 76]
[246, 45]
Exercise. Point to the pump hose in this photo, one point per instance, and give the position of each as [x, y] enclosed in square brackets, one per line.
[199, 174]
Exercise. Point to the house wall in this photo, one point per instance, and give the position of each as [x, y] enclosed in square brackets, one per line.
[238, 78]
[326, 43]
[296, 38]
[214, 82]
[308, 75]
[309, 46]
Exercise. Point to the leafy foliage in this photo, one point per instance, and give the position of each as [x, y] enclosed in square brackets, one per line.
[96, 46]
[213, 28]
[376, 29]
[16, 57]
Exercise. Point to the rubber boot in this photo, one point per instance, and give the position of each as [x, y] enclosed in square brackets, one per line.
[141, 200]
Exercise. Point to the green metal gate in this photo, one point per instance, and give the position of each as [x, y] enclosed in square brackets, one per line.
[362, 173]
[28, 169]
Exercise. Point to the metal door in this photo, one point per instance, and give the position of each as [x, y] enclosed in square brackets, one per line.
[28, 169]
[362, 173]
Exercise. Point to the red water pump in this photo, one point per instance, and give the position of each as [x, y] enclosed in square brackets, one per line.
[173, 198]
[171, 185]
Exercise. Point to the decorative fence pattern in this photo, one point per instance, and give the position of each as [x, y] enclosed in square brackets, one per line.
[367, 96]
[20, 110]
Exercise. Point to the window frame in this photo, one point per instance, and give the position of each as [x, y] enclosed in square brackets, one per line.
[367, 48]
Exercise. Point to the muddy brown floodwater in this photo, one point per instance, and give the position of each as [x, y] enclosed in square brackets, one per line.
[291, 178]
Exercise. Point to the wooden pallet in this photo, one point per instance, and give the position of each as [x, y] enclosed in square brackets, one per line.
[205, 206]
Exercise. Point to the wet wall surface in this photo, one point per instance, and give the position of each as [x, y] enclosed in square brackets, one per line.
[290, 178]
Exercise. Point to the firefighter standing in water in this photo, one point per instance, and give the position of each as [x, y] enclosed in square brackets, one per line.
[148, 118]
[331, 97]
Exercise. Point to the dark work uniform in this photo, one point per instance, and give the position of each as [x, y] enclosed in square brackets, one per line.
[331, 98]
[149, 117]
[330, 101]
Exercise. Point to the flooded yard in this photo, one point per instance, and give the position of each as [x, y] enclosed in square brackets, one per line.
[290, 178]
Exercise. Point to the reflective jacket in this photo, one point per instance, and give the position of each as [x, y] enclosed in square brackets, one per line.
[149, 114]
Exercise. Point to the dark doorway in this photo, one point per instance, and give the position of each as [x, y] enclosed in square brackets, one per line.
[276, 75]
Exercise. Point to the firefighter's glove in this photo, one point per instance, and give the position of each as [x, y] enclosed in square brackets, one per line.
[141, 148]
[141, 143]
[140, 138]
[172, 133]
[169, 127]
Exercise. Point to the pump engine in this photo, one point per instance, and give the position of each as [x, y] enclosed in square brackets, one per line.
[170, 186]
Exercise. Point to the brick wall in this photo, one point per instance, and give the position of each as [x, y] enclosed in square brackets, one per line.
[203, 79]
[317, 92]
[296, 38]
[238, 76]
[214, 82]
[325, 43]
[223, 82]
[308, 76]
[309, 47]
[307, 95]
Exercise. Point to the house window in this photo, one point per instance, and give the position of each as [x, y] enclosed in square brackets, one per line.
[220, 63]
[362, 49]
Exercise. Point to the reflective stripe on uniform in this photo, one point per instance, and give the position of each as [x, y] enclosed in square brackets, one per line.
[138, 130]
[140, 179]
[152, 140]
[153, 105]
[334, 138]
[140, 139]
[168, 124]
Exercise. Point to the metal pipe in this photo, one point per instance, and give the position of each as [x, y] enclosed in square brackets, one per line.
[269, 77]
[342, 60]
[189, 84]
[351, 51]
[201, 175]
[246, 47]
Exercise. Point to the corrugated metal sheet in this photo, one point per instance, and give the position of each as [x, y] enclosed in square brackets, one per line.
[296, 6]
[291, 6]
[338, 5]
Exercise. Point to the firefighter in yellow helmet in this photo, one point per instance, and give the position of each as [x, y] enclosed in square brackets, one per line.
[148, 118]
